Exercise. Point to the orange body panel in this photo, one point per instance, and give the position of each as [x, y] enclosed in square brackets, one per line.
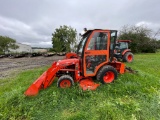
[96, 52]
[127, 50]
[120, 67]
[71, 55]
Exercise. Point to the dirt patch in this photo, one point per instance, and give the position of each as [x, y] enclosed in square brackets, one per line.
[9, 66]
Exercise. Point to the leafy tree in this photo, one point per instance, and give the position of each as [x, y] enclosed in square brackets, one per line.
[58, 46]
[157, 33]
[63, 38]
[141, 38]
[6, 43]
[158, 44]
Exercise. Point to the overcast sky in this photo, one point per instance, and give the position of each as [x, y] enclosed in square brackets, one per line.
[33, 21]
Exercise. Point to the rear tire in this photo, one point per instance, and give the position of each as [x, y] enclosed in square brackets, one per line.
[128, 57]
[107, 74]
[65, 81]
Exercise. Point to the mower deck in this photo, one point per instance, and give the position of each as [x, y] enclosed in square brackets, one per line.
[88, 84]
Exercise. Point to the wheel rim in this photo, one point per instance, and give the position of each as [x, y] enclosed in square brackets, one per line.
[65, 83]
[108, 77]
[129, 57]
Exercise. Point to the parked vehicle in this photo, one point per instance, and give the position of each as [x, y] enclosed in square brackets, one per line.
[122, 52]
[94, 58]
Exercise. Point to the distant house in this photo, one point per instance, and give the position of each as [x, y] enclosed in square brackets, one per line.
[22, 48]
[39, 50]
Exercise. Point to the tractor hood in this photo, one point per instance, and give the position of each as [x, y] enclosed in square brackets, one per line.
[67, 62]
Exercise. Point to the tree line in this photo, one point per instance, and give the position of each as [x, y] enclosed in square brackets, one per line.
[6, 43]
[64, 39]
[143, 39]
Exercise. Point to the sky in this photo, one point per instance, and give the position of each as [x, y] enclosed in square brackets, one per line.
[32, 22]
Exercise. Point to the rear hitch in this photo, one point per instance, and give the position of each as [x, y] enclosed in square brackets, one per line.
[130, 70]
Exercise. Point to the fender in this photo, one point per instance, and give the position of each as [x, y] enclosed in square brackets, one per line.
[127, 50]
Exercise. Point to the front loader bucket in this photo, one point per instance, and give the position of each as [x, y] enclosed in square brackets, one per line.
[43, 81]
[36, 86]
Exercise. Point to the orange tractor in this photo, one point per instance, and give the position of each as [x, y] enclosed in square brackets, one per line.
[94, 58]
[122, 52]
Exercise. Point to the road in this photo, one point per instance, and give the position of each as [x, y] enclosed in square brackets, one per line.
[10, 67]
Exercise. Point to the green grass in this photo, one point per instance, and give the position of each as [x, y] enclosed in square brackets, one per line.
[130, 97]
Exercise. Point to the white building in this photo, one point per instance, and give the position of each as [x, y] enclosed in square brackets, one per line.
[39, 50]
[22, 48]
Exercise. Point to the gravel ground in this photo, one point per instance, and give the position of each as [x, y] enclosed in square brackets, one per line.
[10, 67]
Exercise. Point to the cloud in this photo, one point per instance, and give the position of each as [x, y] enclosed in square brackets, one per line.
[151, 25]
[45, 43]
[13, 25]
[34, 22]
[25, 32]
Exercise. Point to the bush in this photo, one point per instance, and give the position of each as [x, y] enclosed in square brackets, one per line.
[140, 37]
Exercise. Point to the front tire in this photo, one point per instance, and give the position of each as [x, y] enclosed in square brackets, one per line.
[65, 81]
[107, 74]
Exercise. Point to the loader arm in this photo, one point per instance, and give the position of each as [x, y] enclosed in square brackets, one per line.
[43, 81]
[46, 79]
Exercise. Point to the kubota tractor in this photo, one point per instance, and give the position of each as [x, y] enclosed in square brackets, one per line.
[122, 52]
[94, 58]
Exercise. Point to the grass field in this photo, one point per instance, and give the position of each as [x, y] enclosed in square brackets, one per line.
[130, 97]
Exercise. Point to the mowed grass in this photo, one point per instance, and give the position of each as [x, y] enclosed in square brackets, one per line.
[130, 97]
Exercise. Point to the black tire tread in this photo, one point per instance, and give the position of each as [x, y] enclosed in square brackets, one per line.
[103, 70]
[65, 77]
[125, 57]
